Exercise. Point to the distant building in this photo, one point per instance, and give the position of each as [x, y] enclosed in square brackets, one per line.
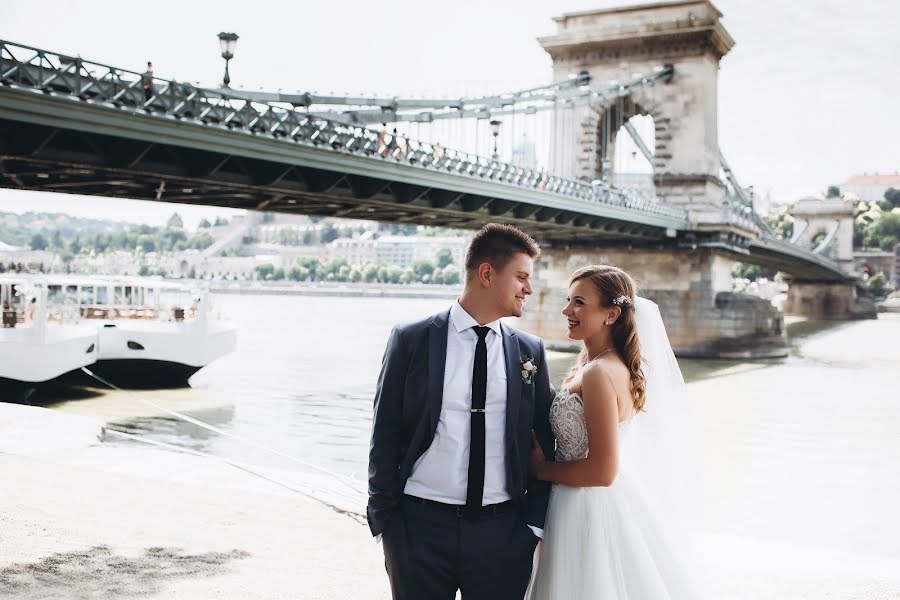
[402, 251]
[232, 267]
[269, 233]
[119, 262]
[397, 250]
[31, 260]
[524, 153]
[868, 264]
[762, 203]
[870, 188]
[175, 222]
[426, 248]
[356, 251]
[288, 255]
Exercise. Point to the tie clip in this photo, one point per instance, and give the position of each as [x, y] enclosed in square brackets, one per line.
[479, 410]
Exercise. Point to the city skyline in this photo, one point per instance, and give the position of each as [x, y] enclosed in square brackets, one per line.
[787, 91]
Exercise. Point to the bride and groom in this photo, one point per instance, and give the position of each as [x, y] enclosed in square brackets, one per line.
[474, 459]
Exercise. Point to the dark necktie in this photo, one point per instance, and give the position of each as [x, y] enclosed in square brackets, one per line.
[475, 487]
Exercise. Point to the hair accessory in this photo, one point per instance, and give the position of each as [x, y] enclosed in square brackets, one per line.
[622, 301]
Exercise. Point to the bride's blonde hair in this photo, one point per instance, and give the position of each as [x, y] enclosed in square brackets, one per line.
[613, 283]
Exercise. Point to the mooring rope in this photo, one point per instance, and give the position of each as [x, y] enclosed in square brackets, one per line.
[356, 516]
[359, 517]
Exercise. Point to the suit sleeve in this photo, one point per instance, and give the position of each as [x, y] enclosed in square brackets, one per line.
[385, 446]
[538, 495]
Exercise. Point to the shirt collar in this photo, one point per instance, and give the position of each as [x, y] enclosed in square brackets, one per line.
[462, 320]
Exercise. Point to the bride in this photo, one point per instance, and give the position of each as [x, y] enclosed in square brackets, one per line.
[614, 527]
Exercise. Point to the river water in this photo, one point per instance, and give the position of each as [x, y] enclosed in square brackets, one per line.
[803, 450]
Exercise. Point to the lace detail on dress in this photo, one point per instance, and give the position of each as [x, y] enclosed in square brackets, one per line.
[570, 429]
[567, 421]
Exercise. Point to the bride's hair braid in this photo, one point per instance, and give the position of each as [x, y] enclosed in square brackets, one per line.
[616, 287]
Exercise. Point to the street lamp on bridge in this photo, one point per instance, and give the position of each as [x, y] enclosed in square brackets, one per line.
[227, 42]
[495, 131]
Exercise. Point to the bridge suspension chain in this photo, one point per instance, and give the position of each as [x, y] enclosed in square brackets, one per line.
[362, 110]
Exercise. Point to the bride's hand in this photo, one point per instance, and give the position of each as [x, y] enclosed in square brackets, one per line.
[537, 459]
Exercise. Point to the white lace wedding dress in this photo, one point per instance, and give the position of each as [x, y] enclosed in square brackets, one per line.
[604, 543]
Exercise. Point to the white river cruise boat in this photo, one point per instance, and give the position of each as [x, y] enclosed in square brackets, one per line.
[148, 332]
[38, 342]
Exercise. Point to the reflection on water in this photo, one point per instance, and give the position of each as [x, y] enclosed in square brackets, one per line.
[172, 430]
[804, 448]
[797, 330]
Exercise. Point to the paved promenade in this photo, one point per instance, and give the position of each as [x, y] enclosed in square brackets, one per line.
[81, 519]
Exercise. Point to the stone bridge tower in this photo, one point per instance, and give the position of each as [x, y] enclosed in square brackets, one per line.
[827, 224]
[831, 219]
[691, 283]
[614, 44]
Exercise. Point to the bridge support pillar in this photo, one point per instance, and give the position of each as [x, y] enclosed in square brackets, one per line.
[827, 301]
[703, 317]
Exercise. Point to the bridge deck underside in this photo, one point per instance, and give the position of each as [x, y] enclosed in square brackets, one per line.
[55, 159]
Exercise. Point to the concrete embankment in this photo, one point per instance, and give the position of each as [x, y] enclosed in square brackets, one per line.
[35, 430]
[82, 519]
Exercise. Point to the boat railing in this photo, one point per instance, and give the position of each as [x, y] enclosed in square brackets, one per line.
[137, 312]
[63, 313]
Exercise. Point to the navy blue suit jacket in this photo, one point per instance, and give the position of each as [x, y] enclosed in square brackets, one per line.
[408, 405]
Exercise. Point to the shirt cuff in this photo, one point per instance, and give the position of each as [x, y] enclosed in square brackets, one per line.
[377, 539]
[537, 531]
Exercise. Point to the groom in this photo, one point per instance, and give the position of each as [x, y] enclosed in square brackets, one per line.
[458, 396]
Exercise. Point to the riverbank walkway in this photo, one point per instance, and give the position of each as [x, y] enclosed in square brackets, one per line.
[81, 518]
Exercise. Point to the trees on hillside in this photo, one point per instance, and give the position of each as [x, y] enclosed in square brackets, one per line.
[38, 242]
[877, 224]
[339, 270]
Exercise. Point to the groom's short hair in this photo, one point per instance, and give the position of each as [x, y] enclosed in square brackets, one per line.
[496, 243]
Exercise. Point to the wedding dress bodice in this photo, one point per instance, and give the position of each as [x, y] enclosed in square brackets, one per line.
[569, 427]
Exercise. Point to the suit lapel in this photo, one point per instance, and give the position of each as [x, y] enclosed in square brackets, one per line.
[513, 384]
[437, 359]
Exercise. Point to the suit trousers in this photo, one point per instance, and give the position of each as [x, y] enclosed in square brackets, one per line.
[430, 553]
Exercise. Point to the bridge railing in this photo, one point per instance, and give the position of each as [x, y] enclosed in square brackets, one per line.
[736, 212]
[785, 247]
[53, 73]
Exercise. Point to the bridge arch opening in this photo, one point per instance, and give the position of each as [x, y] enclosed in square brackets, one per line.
[817, 238]
[632, 161]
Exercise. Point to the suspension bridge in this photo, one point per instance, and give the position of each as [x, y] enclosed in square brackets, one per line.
[72, 125]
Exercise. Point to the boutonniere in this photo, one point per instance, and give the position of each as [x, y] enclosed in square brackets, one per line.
[528, 369]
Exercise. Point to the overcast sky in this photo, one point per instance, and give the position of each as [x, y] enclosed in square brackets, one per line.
[807, 97]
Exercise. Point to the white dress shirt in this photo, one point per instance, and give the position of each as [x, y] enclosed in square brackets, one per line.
[442, 472]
